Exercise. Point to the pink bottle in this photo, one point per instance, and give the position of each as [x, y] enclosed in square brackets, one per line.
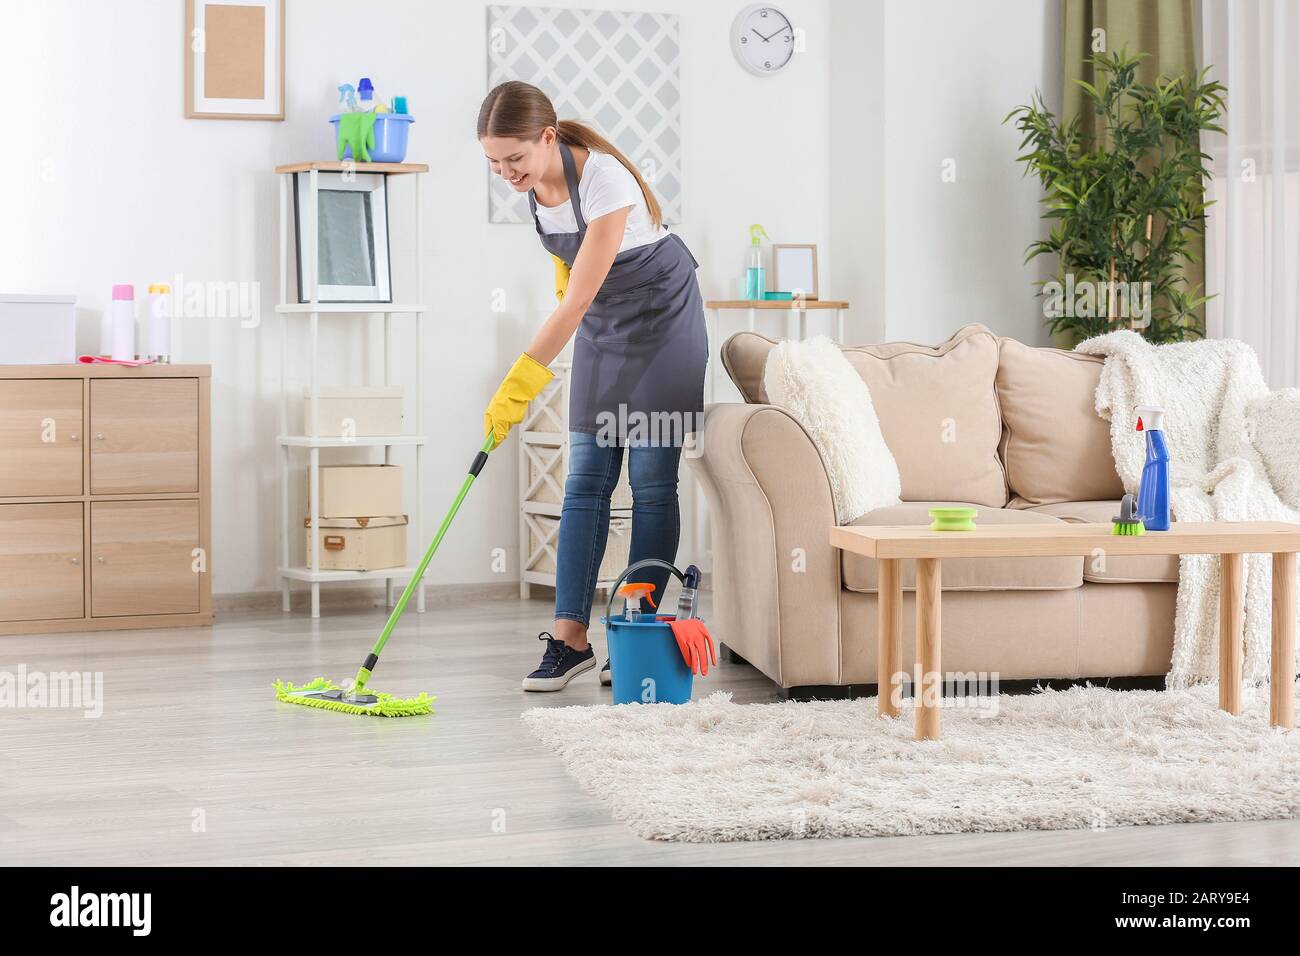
[123, 344]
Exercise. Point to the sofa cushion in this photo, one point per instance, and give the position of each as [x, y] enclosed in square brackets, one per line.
[967, 574]
[937, 405]
[1055, 446]
[1115, 568]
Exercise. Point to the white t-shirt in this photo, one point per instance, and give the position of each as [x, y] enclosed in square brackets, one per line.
[606, 186]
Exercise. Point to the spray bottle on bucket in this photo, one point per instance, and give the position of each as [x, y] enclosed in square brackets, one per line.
[1153, 492]
[632, 593]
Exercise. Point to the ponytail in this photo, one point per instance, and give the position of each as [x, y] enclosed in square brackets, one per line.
[522, 111]
[573, 133]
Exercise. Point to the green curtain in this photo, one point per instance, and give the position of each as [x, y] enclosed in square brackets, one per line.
[1162, 28]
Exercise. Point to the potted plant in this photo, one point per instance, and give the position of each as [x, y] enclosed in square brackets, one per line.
[1126, 203]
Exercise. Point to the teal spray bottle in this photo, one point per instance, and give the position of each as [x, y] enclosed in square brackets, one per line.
[755, 278]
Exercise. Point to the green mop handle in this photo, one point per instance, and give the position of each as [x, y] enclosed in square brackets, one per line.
[372, 659]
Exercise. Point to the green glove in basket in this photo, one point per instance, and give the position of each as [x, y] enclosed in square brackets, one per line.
[357, 130]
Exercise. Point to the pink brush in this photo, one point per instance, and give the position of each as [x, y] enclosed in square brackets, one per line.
[109, 360]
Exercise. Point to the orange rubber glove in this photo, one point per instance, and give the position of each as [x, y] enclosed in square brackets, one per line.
[524, 382]
[561, 278]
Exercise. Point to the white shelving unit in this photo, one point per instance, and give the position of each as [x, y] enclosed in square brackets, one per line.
[313, 443]
[543, 438]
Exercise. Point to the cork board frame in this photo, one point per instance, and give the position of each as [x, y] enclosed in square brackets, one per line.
[234, 59]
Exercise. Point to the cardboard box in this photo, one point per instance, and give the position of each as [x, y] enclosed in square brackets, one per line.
[38, 329]
[360, 491]
[360, 544]
[355, 412]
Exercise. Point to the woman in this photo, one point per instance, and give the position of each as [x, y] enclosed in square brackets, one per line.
[627, 287]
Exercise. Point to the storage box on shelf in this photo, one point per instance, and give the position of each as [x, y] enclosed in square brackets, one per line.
[543, 466]
[348, 412]
[367, 416]
[38, 329]
[107, 526]
[360, 544]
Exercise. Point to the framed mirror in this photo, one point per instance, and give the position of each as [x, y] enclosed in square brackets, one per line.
[351, 224]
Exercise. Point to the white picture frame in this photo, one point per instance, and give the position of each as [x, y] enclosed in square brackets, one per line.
[351, 237]
[794, 269]
[234, 59]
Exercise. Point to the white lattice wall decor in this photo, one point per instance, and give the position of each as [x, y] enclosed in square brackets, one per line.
[617, 71]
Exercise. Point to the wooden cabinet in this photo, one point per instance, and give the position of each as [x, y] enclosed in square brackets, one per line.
[41, 562]
[143, 557]
[109, 527]
[144, 436]
[40, 437]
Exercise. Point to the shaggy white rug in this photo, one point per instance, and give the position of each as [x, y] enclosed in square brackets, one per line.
[714, 771]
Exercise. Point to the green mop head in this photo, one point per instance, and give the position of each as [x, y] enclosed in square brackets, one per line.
[329, 696]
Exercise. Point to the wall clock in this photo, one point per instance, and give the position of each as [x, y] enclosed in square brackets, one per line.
[762, 39]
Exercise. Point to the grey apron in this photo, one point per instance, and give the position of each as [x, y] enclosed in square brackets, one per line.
[641, 349]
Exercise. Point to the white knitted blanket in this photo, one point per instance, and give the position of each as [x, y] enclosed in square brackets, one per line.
[1213, 393]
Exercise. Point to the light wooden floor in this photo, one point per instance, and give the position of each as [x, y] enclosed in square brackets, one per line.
[194, 762]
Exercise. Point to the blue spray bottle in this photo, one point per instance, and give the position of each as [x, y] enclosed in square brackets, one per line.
[1153, 492]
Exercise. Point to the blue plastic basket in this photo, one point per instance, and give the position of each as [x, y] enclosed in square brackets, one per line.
[645, 664]
[391, 131]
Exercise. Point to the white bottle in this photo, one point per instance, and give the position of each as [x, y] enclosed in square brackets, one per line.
[123, 344]
[158, 331]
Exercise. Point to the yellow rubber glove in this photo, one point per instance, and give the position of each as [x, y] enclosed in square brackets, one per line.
[561, 278]
[524, 382]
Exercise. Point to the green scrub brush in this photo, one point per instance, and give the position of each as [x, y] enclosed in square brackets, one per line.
[329, 696]
[1127, 521]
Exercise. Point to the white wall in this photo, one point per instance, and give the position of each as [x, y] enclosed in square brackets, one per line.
[119, 187]
[856, 166]
[915, 84]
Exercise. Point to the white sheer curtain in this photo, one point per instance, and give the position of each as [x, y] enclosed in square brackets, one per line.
[1253, 232]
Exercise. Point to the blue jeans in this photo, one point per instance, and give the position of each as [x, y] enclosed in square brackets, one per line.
[584, 521]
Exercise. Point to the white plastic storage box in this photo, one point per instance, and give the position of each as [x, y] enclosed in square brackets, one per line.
[355, 412]
[360, 544]
[360, 491]
[38, 329]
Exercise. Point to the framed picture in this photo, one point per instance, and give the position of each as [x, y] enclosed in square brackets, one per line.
[794, 269]
[350, 236]
[234, 59]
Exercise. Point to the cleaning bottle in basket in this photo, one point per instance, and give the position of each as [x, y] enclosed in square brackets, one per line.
[1153, 491]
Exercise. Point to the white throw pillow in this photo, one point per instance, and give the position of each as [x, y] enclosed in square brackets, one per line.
[815, 383]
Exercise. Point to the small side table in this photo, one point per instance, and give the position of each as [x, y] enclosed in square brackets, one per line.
[799, 308]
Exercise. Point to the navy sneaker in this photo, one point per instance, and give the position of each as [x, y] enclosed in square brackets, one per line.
[605, 677]
[560, 664]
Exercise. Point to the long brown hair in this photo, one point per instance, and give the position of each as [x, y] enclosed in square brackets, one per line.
[519, 110]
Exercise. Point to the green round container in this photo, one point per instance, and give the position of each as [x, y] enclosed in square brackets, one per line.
[953, 519]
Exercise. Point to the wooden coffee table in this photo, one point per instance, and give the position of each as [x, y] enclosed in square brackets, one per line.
[1230, 540]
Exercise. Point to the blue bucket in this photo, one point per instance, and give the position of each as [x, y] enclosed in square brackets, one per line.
[391, 131]
[645, 664]
[644, 661]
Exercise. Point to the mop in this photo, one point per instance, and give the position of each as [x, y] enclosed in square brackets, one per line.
[355, 699]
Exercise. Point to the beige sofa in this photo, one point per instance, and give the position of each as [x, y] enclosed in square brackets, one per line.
[978, 420]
